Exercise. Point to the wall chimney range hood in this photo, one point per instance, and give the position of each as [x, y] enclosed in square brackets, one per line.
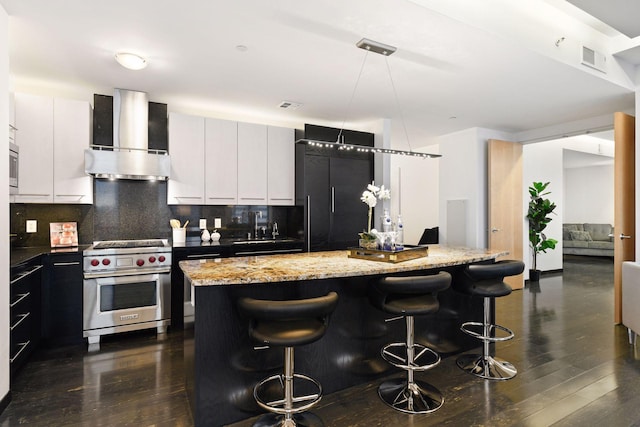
[130, 156]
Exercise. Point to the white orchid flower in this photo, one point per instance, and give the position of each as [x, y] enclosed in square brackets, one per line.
[384, 194]
[369, 198]
[373, 188]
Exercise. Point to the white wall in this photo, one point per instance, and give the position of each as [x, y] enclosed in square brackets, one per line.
[463, 176]
[415, 192]
[543, 162]
[588, 194]
[4, 201]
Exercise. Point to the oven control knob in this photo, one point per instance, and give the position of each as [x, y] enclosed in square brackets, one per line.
[106, 261]
[161, 258]
[140, 262]
[152, 259]
[95, 262]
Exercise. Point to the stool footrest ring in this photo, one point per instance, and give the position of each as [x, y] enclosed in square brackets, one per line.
[467, 329]
[299, 405]
[396, 355]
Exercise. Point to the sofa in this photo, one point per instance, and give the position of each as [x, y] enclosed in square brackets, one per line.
[587, 239]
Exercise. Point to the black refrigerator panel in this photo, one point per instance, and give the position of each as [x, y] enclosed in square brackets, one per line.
[349, 178]
[317, 202]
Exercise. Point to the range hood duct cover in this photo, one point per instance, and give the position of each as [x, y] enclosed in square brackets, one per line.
[130, 157]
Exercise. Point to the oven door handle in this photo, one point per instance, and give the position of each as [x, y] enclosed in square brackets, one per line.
[122, 273]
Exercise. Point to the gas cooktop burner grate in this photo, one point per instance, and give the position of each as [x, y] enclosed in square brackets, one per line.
[121, 244]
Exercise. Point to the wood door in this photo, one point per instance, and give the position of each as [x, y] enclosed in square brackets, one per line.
[505, 217]
[624, 202]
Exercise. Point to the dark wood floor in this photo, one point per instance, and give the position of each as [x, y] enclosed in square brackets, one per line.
[575, 368]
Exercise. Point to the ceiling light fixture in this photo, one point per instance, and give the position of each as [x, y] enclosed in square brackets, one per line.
[131, 60]
[384, 50]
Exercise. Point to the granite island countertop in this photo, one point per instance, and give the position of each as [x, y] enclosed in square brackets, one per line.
[319, 265]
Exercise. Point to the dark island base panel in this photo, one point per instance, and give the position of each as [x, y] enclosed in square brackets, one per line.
[226, 367]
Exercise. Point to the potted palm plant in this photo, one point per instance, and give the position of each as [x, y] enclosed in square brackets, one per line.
[539, 212]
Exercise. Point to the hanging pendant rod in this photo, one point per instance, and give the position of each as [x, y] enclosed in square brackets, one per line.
[385, 50]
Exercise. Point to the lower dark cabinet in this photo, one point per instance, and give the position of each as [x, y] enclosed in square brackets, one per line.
[24, 313]
[62, 300]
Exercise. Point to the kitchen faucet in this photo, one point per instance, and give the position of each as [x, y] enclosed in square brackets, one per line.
[258, 214]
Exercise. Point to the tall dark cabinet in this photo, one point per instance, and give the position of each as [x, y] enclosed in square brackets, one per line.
[329, 184]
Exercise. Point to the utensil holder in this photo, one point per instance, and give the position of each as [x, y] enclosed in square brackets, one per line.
[179, 236]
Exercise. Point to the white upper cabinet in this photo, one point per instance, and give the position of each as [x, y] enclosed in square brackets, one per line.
[223, 162]
[281, 166]
[71, 136]
[34, 121]
[186, 147]
[52, 136]
[221, 157]
[252, 164]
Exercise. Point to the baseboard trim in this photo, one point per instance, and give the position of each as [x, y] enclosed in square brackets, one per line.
[4, 402]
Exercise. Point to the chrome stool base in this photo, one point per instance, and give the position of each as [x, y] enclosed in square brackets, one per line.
[487, 367]
[417, 398]
[305, 419]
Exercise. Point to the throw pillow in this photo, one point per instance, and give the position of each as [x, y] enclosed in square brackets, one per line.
[581, 235]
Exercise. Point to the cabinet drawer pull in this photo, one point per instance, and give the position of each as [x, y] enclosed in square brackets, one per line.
[203, 256]
[16, 302]
[33, 195]
[252, 198]
[63, 264]
[281, 198]
[22, 345]
[188, 197]
[79, 196]
[22, 317]
[273, 251]
[26, 274]
[222, 198]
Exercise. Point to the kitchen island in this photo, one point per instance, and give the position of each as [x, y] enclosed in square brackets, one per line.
[221, 364]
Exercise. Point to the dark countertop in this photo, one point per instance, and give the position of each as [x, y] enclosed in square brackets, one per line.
[21, 255]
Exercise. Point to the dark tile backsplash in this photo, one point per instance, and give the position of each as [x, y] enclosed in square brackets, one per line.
[138, 210]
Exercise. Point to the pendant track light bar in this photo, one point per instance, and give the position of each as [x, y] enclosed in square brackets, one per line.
[377, 47]
[363, 148]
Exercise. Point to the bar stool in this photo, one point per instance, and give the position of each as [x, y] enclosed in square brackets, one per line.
[486, 280]
[288, 324]
[409, 297]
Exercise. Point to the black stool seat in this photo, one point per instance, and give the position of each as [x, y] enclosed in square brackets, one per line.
[288, 323]
[486, 280]
[410, 296]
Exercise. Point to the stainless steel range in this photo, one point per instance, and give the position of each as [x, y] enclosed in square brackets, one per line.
[127, 286]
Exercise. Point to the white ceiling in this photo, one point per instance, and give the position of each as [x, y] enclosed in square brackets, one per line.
[448, 75]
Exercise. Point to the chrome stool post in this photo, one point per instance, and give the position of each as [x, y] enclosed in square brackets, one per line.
[410, 296]
[288, 324]
[486, 280]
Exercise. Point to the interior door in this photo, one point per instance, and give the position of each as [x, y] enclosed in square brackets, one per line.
[505, 217]
[624, 202]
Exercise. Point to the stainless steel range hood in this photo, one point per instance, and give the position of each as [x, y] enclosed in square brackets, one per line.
[130, 156]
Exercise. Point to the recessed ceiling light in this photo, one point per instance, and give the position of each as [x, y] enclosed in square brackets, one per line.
[131, 60]
[242, 48]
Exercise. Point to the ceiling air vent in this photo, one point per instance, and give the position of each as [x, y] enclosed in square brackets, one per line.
[593, 59]
[290, 105]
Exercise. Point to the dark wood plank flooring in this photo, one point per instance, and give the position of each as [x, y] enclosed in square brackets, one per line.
[575, 368]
